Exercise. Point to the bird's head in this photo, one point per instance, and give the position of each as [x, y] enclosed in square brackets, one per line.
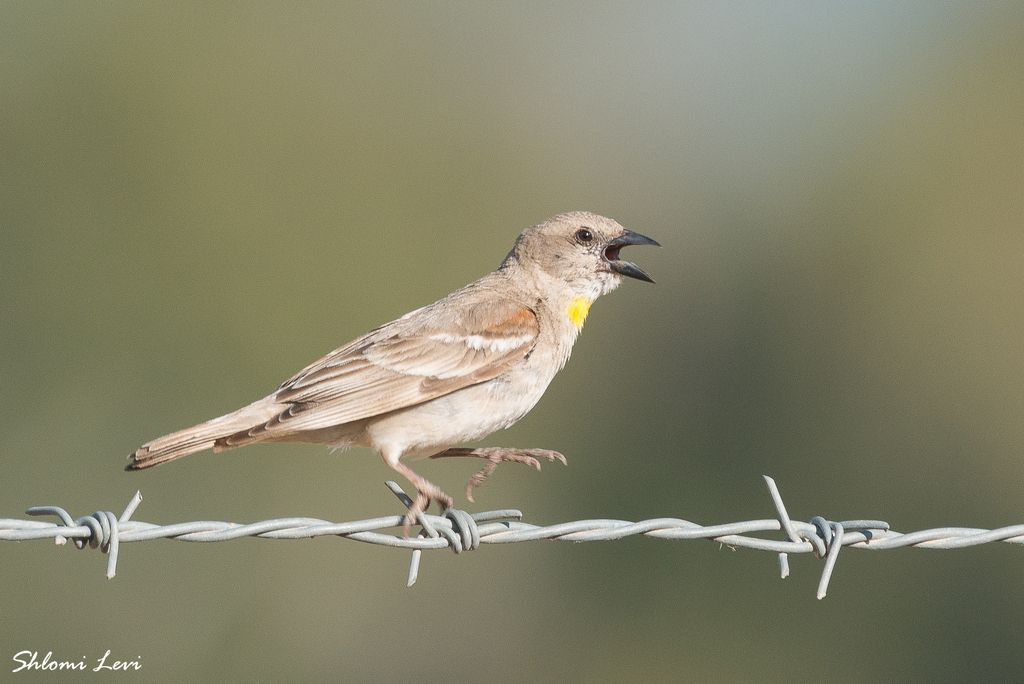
[581, 250]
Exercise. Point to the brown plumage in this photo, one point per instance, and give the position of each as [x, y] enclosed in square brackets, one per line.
[449, 373]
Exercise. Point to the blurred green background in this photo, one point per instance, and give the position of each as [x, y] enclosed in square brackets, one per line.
[197, 200]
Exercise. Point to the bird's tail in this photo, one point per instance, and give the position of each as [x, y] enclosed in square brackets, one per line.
[199, 437]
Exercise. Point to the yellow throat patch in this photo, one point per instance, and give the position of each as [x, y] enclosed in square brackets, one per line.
[578, 309]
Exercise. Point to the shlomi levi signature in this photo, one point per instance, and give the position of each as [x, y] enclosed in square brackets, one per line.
[30, 661]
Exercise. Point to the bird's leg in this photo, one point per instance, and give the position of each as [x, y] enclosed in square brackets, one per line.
[496, 455]
[425, 493]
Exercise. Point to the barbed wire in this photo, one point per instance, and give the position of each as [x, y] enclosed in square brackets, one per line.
[459, 531]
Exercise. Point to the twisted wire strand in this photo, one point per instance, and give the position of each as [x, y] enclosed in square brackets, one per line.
[459, 531]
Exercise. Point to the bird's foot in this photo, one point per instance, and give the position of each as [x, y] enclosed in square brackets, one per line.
[496, 455]
[425, 493]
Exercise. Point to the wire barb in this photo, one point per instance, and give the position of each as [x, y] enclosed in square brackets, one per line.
[102, 529]
[459, 531]
[464, 533]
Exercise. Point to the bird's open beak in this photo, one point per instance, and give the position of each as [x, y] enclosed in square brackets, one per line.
[626, 268]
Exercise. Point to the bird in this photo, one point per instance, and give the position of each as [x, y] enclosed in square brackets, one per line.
[446, 374]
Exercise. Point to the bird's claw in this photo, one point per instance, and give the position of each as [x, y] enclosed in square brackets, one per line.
[420, 505]
[498, 455]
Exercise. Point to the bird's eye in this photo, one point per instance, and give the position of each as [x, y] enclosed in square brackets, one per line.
[583, 235]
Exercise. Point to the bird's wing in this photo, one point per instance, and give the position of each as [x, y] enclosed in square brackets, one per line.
[424, 355]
